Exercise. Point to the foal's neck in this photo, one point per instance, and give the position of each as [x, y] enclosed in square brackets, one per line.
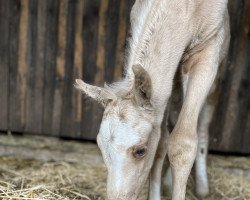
[158, 41]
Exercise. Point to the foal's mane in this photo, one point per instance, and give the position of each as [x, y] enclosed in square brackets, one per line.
[143, 26]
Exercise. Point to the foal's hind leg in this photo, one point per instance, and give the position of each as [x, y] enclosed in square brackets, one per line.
[202, 186]
[205, 118]
[183, 141]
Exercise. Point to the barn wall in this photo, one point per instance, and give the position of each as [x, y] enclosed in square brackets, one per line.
[46, 44]
[230, 130]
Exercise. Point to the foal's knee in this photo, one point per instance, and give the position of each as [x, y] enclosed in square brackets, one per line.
[182, 149]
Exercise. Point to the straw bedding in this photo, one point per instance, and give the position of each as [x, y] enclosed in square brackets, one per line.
[48, 168]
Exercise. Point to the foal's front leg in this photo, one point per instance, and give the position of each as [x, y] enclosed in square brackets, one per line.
[155, 174]
[183, 141]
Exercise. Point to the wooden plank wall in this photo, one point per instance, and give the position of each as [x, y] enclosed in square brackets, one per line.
[230, 130]
[46, 44]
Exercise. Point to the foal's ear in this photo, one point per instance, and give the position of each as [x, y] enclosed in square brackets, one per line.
[101, 95]
[142, 87]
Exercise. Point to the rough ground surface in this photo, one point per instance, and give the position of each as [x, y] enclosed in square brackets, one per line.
[33, 167]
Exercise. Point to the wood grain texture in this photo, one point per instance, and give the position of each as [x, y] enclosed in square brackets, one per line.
[50, 63]
[60, 67]
[90, 37]
[35, 74]
[14, 107]
[227, 130]
[121, 39]
[244, 94]
[78, 69]
[97, 110]
[111, 39]
[123, 28]
[4, 63]
[236, 67]
[22, 60]
[242, 98]
[67, 125]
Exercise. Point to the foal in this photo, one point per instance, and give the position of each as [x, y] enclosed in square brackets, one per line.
[165, 34]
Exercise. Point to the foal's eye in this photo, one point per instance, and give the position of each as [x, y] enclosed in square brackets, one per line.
[139, 152]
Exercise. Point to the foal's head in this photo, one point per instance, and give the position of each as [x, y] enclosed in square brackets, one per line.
[126, 136]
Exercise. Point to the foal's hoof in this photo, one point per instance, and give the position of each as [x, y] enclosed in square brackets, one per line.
[202, 191]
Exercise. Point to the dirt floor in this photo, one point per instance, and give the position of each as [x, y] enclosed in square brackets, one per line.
[49, 168]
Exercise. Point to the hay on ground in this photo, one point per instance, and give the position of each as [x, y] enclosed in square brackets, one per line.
[74, 170]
